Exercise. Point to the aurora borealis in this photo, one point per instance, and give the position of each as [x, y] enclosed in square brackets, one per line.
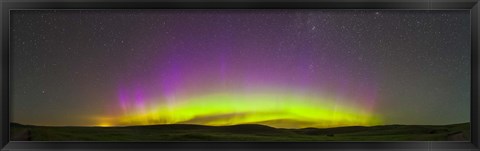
[282, 68]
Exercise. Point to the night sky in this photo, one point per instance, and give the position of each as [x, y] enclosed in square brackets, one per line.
[282, 68]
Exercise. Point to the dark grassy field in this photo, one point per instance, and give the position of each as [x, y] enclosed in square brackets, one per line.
[248, 132]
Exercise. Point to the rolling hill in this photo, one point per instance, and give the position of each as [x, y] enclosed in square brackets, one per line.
[244, 132]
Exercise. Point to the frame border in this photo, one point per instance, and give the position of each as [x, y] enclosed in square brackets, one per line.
[7, 5]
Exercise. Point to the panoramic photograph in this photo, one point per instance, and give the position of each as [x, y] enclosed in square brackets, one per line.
[240, 75]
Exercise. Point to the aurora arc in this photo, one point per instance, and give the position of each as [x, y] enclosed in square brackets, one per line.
[284, 110]
[228, 77]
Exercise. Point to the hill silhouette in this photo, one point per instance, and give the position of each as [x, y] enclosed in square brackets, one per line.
[243, 132]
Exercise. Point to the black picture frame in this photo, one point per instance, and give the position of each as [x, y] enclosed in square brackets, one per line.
[8, 5]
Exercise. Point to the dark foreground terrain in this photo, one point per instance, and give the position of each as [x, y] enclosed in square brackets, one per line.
[247, 132]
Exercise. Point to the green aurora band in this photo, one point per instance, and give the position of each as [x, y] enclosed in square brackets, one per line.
[282, 110]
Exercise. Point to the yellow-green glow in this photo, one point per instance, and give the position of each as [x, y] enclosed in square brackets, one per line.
[285, 110]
